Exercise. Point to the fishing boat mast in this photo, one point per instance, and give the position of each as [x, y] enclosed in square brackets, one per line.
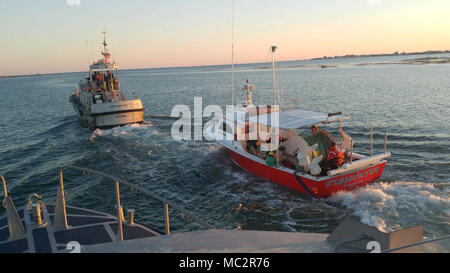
[273, 48]
[277, 134]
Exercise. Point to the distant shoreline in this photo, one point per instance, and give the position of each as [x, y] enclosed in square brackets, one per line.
[396, 53]
[322, 58]
[15, 76]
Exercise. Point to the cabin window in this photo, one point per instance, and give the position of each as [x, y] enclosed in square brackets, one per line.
[98, 98]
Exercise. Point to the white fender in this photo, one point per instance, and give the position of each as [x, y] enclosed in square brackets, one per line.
[314, 166]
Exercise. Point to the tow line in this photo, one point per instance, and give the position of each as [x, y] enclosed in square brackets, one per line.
[305, 187]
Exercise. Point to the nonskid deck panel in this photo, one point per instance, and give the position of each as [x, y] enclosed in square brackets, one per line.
[86, 227]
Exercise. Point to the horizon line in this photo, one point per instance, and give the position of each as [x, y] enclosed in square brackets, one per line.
[396, 53]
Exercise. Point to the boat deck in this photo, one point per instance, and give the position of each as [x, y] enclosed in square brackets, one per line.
[86, 227]
[221, 241]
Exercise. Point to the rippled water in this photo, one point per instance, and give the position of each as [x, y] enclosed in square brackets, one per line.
[39, 133]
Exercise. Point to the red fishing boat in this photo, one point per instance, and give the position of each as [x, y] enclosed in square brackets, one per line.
[251, 134]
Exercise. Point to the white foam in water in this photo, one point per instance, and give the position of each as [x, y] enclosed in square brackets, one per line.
[118, 131]
[238, 177]
[388, 206]
[96, 133]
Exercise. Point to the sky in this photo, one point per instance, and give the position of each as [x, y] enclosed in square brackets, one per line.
[55, 36]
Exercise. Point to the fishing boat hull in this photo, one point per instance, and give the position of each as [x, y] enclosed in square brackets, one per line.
[319, 187]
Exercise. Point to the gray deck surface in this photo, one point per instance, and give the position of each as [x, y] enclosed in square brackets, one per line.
[86, 227]
[219, 241]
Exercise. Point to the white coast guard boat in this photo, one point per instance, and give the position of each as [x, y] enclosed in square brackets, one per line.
[48, 228]
[302, 161]
[99, 101]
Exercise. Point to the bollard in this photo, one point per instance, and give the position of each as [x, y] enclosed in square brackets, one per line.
[37, 214]
[130, 216]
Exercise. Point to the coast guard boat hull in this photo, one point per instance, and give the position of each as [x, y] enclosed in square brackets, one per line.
[108, 115]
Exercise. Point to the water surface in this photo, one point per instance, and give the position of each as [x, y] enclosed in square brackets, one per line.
[39, 133]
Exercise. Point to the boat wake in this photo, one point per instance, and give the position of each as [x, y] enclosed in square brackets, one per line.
[160, 117]
[393, 205]
[119, 131]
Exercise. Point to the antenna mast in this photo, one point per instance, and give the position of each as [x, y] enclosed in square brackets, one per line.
[105, 52]
[232, 52]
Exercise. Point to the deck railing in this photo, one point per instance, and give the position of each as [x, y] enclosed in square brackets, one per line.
[166, 203]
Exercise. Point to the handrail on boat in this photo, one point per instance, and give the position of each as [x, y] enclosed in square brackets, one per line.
[166, 202]
[5, 192]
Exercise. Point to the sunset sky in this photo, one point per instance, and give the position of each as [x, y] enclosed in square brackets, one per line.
[51, 36]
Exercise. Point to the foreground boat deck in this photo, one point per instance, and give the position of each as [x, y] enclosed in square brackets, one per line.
[221, 241]
[87, 227]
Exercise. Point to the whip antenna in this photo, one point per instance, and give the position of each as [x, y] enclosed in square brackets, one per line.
[232, 52]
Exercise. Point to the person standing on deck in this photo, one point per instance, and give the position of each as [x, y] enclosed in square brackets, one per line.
[270, 160]
[335, 157]
[108, 81]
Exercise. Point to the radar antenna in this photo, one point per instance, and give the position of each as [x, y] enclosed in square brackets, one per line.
[105, 52]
